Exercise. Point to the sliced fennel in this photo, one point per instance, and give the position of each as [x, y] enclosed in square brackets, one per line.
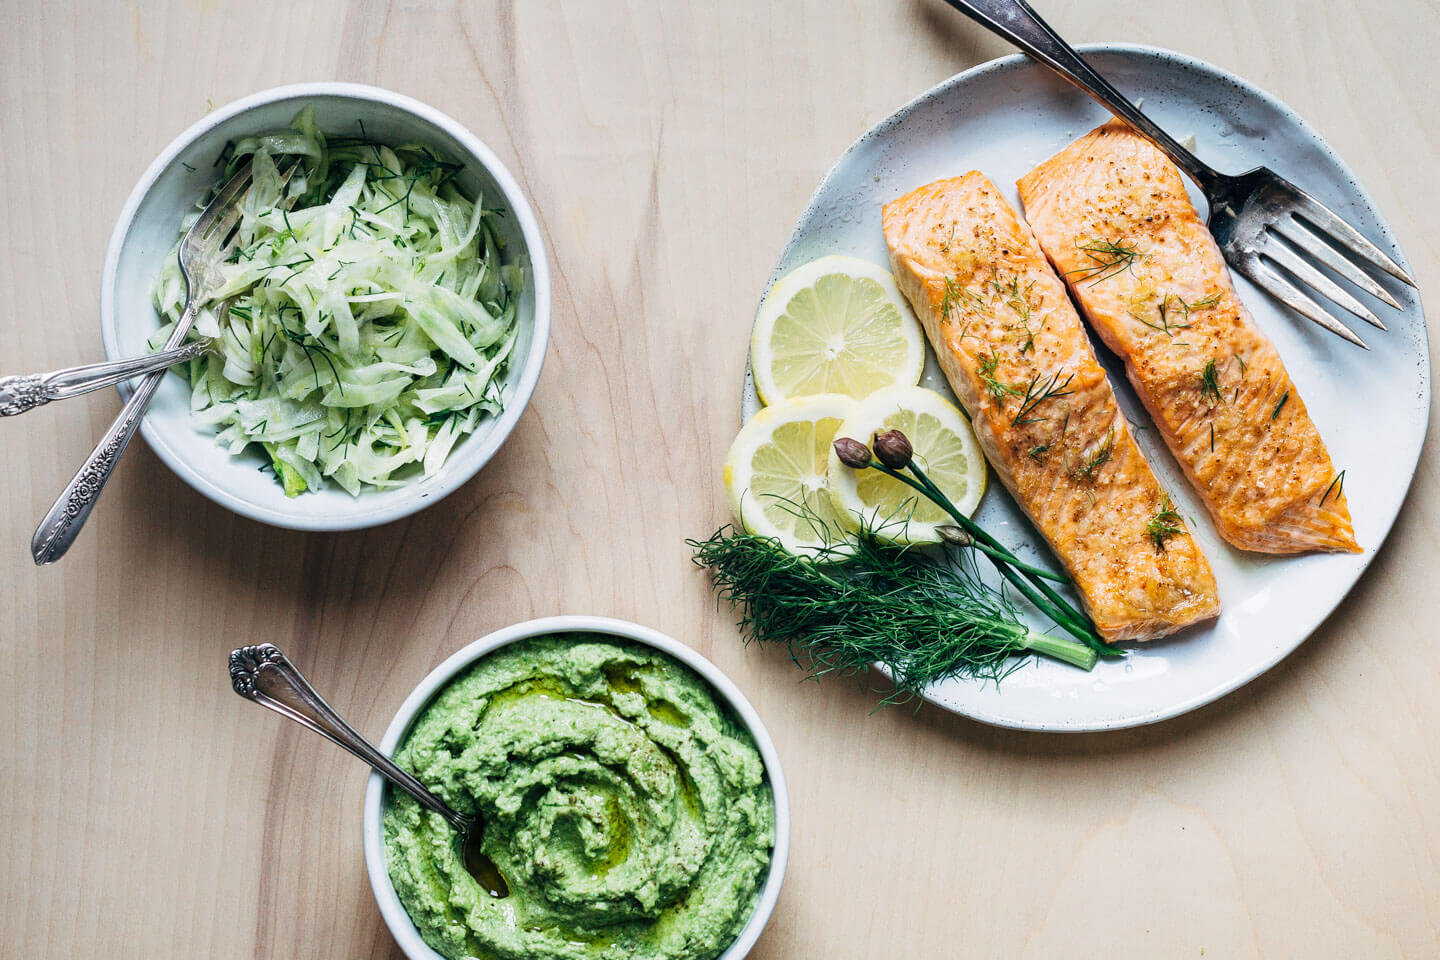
[370, 315]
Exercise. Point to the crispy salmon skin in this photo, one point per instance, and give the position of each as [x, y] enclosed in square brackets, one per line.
[1016, 355]
[1112, 214]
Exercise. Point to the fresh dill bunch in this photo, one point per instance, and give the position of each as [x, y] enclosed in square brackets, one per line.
[923, 615]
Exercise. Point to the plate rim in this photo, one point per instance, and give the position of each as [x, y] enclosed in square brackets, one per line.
[1251, 91]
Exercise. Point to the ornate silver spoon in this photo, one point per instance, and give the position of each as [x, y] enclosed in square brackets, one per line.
[265, 675]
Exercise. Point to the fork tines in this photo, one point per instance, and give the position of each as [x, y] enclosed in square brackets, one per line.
[1300, 232]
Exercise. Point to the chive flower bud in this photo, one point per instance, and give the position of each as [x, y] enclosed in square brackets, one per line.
[954, 536]
[852, 453]
[893, 449]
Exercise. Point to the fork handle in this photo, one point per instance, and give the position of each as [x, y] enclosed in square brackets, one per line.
[61, 525]
[63, 522]
[1017, 22]
[19, 394]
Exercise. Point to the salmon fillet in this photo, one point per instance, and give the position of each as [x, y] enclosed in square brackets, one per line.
[1112, 214]
[1016, 355]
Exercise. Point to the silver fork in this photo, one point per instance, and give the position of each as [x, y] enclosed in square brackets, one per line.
[1269, 229]
[205, 245]
[24, 393]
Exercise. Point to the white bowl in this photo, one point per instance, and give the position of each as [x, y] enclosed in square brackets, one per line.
[390, 907]
[149, 225]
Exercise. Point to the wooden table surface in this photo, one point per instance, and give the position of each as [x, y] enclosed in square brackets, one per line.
[147, 812]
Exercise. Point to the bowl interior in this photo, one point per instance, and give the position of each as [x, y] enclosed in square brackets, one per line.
[145, 236]
[377, 790]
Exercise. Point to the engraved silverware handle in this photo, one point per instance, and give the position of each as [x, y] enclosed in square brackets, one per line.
[1017, 22]
[265, 675]
[19, 394]
[208, 241]
[61, 525]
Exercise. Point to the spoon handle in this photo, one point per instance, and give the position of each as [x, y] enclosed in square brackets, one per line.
[265, 675]
[19, 394]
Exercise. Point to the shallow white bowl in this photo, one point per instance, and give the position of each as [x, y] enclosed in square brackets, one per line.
[149, 225]
[390, 907]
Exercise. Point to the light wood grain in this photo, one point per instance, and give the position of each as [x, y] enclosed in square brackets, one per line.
[149, 813]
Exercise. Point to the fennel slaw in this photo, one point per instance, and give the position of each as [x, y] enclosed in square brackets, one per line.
[370, 315]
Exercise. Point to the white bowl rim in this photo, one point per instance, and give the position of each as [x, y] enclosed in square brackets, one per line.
[401, 927]
[446, 481]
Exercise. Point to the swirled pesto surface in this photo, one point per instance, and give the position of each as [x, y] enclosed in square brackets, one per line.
[628, 812]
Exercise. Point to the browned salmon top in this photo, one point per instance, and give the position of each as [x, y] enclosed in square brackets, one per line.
[1016, 355]
[1112, 214]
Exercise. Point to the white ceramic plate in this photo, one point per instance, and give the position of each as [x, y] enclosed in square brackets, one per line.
[1003, 118]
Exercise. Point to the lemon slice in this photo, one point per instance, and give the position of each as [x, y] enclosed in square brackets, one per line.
[835, 325]
[777, 468]
[945, 448]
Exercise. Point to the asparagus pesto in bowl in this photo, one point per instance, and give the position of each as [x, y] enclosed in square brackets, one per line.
[365, 316]
[630, 813]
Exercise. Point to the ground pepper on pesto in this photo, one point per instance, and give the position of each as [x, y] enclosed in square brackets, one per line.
[628, 812]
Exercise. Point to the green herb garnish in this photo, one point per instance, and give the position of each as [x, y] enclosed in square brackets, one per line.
[1210, 383]
[1168, 324]
[1017, 298]
[922, 619]
[859, 601]
[1164, 525]
[1038, 391]
[1284, 397]
[1110, 257]
[1337, 486]
[998, 389]
[1103, 453]
[955, 295]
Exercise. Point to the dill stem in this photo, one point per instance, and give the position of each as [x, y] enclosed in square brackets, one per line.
[1056, 613]
[1074, 622]
[985, 543]
[1051, 604]
[998, 554]
[1080, 655]
[1001, 557]
[1010, 558]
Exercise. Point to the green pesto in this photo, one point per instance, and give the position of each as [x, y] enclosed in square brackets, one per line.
[627, 810]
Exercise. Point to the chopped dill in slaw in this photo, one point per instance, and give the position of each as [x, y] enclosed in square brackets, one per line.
[370, 315]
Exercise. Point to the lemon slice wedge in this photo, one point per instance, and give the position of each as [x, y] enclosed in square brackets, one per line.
[835, 325]
[945, 448]
[776, 474]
